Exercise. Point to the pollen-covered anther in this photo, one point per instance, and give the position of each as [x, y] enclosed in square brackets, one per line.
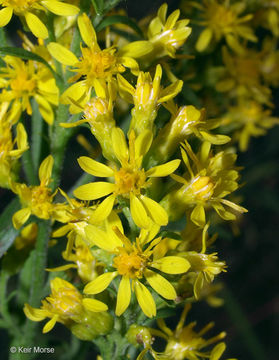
[127, 181]
[203, 187]
[130, 265]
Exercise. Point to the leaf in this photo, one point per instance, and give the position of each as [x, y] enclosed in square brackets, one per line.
[98, 6]
[119, 19]
[7, 232]
[27, 55]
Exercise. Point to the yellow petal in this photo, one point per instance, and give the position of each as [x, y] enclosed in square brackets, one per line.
[155, 211]
[145, 299]
[163, 170]
[123, 296]
[171, 91]
[198, 215]
[33, 313]
[21, 137]
[93, 191]
[94, 305]
[217, 351]
[160, 285]
[100, 284]
[62, 54]
[20, 217]
[50, 324]
[100, 238]
[60, 8]
[136, 49]
[103, 210]
[215, 139]
[87, 31]
[45, 109]
[94, 167]
[171, 264]
[36, 26]
[204, 39]
[119, 144]
[5, 16]
[62, 267]
[138, 212]
[46, 169]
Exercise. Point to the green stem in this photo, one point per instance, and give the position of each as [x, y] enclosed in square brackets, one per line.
[8, 320]
[31, 176]
[26, 339]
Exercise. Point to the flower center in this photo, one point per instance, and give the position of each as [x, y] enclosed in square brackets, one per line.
[41, 201]
[220, 18]
[98, 64]
[65, 302]
[130, 265]
[19, 5]
[202, 188]
[22, 84]
[127, 181]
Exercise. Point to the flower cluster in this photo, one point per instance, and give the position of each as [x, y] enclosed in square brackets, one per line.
[159, 160]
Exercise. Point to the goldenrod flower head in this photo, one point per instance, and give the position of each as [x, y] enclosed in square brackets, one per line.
[36, 200]
[27, 236]
[147, 96]
[65, 305]
[205, 266]
[96, 66]
[185, 121]
[139, 335]
[22, 81]
[79, 253]
[222, 20]
[167, 34]
[243, 76]
[98, 113]
[185, 343]
[135, 261]
[29, 8]
[211, 179]
[249, 118]
[8, 153]
[130, 179]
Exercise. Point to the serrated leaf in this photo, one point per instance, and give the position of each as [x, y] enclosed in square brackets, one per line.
[7, 232]
[119, 19]
[27, 55]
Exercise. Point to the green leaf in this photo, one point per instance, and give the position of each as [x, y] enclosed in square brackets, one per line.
[119, 19]
[98, 6]
[7, 231]
[27, 55]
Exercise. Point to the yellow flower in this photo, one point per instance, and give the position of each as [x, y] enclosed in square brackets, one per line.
[82, 259]
[185, 343]
[132, 262]
[248, 119]
[185, 121]
[96, 67]
[147, 96]
[29, 9]
[167, 34]
[27, 237]
[8, 154]
[130, 180]
[98, 113]
[22, 81]
[205, 266]
[213, 178]
[222, 20]
[36, 200]
[243, 76]
[65, 305]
